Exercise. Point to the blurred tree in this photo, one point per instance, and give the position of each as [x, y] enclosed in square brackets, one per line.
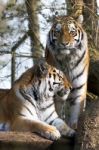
[75, 7]
[34, 29]
[13, 33]
[92, 22]
[12, 2]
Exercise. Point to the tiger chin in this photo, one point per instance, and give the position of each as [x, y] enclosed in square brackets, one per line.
[29, 104]
[67, 50]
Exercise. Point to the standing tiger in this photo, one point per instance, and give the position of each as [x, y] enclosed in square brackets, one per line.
[29, 104]
[67, 49]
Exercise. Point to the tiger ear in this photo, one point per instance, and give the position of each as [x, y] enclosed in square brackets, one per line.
[56, 13]
[42, 69]
[80, 19]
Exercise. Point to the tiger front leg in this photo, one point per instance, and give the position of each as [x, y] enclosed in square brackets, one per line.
[42, 128]
[63, 128]
[76, 108]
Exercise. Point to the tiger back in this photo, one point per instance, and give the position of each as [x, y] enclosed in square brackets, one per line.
[67, 49]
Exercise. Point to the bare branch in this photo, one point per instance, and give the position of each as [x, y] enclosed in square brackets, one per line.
[19, 42]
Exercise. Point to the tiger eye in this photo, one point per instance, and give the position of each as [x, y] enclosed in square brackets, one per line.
[58, 27]
[73, 33]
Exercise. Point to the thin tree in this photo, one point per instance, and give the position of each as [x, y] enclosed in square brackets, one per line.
[34, 29]
[91, 20]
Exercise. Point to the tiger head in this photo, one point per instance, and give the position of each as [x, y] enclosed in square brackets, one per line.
[51, 80]
[66, 35]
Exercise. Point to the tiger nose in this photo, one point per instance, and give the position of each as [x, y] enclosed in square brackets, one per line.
[65, 43]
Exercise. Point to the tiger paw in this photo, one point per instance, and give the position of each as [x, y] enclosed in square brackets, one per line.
[51, 133]
[67, 131]
[73, 124]
[71, 133]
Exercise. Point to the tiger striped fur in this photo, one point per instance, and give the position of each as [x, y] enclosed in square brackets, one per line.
[67, 49]
[29, 104]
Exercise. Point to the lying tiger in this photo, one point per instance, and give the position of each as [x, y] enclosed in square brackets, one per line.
[29, 104]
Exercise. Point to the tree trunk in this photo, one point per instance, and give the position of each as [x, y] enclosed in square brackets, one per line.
[75, 7]
[91, 22]
[13, 68]
[93, 81]
[32, 8]
[12, 2]
[88, 127]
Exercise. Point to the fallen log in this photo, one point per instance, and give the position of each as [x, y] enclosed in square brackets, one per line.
[22, 141]
[30, 141]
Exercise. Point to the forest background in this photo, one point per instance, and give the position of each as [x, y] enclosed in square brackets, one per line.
[23, 32]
